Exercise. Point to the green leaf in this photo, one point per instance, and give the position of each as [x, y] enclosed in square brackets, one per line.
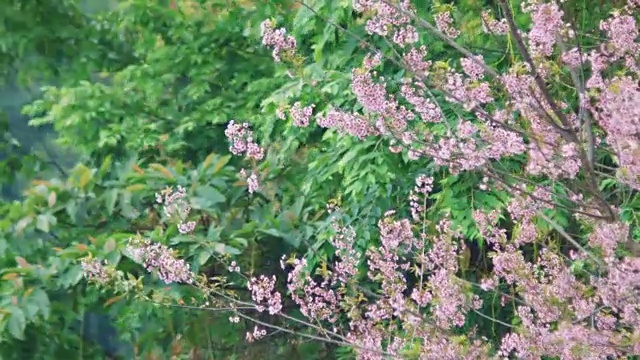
[203, 257]
[30, 310]
[206, 197]
[182, 239]
[293, 238]
[214, 232]
[17, 322]
[222, 161]
[82, 175]
[272, 232]
[3, 246]
[41, 298]
[125, 205]
[71, 210]
[218, 247]
[42, 223]
[230, 250]
[110, 198]
[225, 249]
[207, 161]
[106, 165]
[297, 206]
[71, 277]
[114, 258]
[240, 241]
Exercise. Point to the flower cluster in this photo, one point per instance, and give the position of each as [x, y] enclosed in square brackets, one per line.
[242, 143]
[493, 26]
[346, 267]
[300, 115]
[234, 267]
[263, 293]
[94, 270]
[177, 208]
[252, 180]
[277, 39]
[444, 22]
[159, 259]
[418, 197]
[257, 334]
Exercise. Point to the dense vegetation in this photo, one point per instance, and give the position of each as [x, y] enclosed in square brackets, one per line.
[407, 209]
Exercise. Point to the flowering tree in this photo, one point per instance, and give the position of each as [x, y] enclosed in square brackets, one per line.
[549, 145]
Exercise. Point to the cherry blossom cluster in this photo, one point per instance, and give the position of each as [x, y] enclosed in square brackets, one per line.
[277, 39]
[158, 258]
[264, 295]
[176, 207]
[444, 22]
[418, 197]
[252, 180]
[316, 300]
[440, 291]
[512, 113]
[94, 270]
[492, 26]
[242, 143]
[257, 334]
[301, 116]
[346, 266]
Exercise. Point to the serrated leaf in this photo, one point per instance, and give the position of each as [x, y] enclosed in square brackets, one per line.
[41, 299]
[17, 322]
